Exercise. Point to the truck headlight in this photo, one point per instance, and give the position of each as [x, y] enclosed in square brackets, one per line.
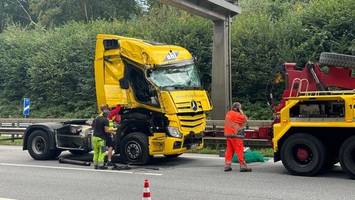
[174, 132]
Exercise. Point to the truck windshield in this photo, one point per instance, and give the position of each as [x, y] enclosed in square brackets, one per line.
[176, 77]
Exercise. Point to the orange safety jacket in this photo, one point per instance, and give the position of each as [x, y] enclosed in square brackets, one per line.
[233, 122]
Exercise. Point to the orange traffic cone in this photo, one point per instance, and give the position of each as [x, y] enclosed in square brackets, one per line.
[146, 191]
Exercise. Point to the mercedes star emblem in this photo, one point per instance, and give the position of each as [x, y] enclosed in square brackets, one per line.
[194, 105]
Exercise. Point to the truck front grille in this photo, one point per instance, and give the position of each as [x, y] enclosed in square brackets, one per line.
[184, 107]
[192, 121]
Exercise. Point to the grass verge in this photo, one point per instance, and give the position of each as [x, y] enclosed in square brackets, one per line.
[6, 140]
[205, 150]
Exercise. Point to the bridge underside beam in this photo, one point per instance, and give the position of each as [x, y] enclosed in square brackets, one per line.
[210, 9]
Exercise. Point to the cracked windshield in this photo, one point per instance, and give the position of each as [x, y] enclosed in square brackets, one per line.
[176, 77]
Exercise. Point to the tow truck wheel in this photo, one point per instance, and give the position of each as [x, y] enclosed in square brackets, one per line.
[337, 60]
[134, 149]
[303, 154]
[38, 146]
[347, 156]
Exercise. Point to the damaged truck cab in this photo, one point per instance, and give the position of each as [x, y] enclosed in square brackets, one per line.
[160, 88]
[164, 104]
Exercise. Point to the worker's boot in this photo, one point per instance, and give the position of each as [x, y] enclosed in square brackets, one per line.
[96, 167]
[227, 168]
[109, 164]
[102, 167]
[245, 168]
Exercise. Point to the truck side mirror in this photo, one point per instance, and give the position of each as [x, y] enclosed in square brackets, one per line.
[111, 44]
[124, 84]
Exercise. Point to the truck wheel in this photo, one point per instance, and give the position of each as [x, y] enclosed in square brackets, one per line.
[337, 60]
[303, 154]
[134, 149]
[347, 156]
[38, 146]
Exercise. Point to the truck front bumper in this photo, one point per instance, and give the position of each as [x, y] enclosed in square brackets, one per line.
[160, 144]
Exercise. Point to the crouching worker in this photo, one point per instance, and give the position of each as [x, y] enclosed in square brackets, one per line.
[101, 133]
[235, 121]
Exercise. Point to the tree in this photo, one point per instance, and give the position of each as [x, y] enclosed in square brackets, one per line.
[54, 66]
[14, 11]
[56, 12]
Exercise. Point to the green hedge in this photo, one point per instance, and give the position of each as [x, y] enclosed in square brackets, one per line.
[54, 67]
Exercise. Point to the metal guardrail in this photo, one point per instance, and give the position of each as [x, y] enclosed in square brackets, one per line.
[219, 124]
[24, 122]
[17, 126]
[17, 131]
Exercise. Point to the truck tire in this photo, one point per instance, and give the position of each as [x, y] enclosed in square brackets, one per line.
[337, 60]
[303, 154]
[347, 156]
[134, 149]
[38, 146]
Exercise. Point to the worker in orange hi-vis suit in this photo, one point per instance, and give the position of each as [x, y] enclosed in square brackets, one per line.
[234, 122]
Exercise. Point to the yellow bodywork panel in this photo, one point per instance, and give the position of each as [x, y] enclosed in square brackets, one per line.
[287, 122]
[109, 69]
[180, 101]
[148, 54]
[160, 144]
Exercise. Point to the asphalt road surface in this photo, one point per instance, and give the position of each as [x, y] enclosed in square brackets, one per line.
[190, 177]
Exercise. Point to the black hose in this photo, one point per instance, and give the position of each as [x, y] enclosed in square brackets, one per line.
[74, 162]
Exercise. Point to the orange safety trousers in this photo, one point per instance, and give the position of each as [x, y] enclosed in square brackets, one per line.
[234, 145]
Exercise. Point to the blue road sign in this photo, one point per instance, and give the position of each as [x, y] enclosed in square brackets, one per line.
[26, 107]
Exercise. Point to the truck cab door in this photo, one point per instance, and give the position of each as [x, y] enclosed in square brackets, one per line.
[109, 70]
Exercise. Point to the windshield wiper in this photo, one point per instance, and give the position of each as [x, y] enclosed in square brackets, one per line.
[177, 87]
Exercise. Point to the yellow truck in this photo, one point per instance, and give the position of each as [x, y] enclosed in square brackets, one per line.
[164, 104]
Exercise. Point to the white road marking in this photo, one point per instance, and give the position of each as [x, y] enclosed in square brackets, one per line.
[79, 169]
[203, 157]
[6, 199]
